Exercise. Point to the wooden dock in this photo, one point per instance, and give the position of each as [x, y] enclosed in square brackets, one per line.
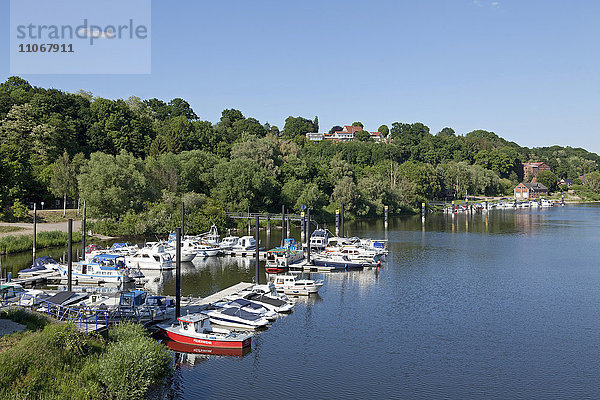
[220, 295]
[32, 280]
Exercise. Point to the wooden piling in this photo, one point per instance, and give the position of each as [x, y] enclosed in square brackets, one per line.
[337, 222]
[342, 232]
[70, 255]
[302, 227]
[308, 229]
[34, 230]
[268, 224]
[283, 230]
[178, 272]
[385, 216]
[183, 219]
[257, 251]
[83, 231]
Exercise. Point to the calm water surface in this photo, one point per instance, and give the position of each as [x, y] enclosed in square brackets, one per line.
[502, 305]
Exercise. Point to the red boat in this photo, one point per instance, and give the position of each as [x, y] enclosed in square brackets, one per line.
[195, 329]
[191, 349]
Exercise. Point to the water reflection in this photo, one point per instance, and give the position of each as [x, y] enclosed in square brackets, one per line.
[187, 354]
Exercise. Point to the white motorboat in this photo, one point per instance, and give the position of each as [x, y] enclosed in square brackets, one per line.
[289, 284]
[249, 306]
[153, 257]
[267, 296]
[211, 237]
[236, 318]
[318, 239]
[358, 253]
[245, 243]
[546, 203]
[228, 242]
[187, 255]
[41, 265]
[103, 268]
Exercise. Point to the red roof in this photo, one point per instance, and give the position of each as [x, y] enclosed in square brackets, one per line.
[352, 129]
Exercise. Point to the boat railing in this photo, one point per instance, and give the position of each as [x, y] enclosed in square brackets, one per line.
[87, 319]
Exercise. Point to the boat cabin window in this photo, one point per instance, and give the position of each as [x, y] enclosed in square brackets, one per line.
[145, 256]
[157, 258]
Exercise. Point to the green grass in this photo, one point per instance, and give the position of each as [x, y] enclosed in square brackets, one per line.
[59, 362]
[15, 244]
[6, 229]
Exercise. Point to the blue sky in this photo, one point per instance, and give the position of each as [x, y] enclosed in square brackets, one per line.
[527, 70]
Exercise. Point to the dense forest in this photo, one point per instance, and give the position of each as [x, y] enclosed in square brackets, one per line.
[135, 160]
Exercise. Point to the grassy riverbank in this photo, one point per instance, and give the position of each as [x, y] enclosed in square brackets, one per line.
[18, 243]
[56, 361]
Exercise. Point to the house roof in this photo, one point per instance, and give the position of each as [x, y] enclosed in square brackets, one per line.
[352, 129]
[535, 187]
[533, 164]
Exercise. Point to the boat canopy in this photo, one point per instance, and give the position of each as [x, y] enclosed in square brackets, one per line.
[192, 318]
[43, 261]
[106, 257]
[265, 299]
[237, 312]
[116, 246]
[245, 303]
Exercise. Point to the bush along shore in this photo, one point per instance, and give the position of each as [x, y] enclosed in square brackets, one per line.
[55, 361]
[18, 243]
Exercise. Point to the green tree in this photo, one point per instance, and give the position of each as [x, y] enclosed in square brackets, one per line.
[311, 197]
[112, 185]
[297, 126]
[336, 128]
[592, 180]
[345, 192]
[385, 131]
[363, 136]
[358, 123]
[548, 179]
[64, 179]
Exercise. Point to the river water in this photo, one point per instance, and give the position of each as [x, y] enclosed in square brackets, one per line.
[497, 305]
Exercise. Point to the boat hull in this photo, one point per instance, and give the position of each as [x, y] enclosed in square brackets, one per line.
[340, 265]
[223, 343]
[195, 349]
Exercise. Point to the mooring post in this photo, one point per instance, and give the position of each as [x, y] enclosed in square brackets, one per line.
[83, 231]
[283, 230]
[34, 230]
[302, 227]
[385, 216]
[342, 232]
[70, 255]
[178, 273]
[248, 221]
[337, 222]
[257, 251]
[268, 224]
[288, 227]
[308, 229]
[182, 219]
[422, 209]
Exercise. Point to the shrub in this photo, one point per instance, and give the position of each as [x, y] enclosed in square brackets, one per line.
[133, 363]
[19, 211]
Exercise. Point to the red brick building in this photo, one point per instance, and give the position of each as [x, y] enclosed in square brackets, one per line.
[532, 169]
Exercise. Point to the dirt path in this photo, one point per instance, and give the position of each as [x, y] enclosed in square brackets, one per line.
[27, 229]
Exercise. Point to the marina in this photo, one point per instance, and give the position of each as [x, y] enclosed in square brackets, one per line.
[410, 286]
